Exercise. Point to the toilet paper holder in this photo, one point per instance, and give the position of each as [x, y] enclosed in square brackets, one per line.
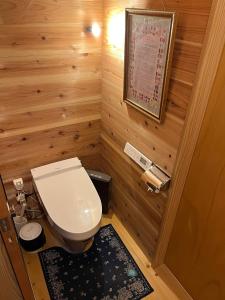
[155, 179]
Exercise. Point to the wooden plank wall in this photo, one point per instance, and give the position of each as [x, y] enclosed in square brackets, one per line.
[51, 88]
[196, 250]
[11, 289]
[50, 83]
[142, 212]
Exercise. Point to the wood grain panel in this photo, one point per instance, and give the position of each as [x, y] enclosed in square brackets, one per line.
[121, 123]
[37, 11]
[137, 207]
[50, 83]
[23, 152]
[132, 172]
[121, 130]
[211, 56]
[196, 249]
[178, 98]
[192, 25]
[37, 117]
[34, 95]
[42, 65]
[201, 6]
[51, 72]
[45, 38]
[12, 247]
[185, 60]
[11, 289]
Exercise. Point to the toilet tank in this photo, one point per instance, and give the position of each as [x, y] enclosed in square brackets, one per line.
[56, 167]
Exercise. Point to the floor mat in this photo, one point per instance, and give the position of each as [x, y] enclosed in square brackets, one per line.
[106, 271]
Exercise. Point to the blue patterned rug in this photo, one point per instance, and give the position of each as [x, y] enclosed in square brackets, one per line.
[106, 271]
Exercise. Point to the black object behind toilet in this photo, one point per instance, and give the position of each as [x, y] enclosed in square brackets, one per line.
[102, 183]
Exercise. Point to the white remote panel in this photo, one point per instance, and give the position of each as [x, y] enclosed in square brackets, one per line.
[18, 183]
[138, 157]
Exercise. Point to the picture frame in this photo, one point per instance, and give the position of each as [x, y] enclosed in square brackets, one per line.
[149, 45]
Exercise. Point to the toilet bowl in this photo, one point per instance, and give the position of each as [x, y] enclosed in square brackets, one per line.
[70, 201]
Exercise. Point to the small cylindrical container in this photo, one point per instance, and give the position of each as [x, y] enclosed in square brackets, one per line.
[19, 222]
[32, 236]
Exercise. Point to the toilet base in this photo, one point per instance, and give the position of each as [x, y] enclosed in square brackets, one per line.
[74, 247]
[77, 247]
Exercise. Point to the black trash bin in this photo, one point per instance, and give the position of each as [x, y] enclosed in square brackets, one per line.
[102, 183]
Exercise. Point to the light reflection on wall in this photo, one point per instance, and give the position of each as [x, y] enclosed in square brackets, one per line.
[96, 29]
[116, 32]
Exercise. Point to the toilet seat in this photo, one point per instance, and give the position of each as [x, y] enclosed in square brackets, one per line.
[69, 198]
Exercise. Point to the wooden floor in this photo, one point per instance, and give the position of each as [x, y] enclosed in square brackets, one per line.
[161, 290]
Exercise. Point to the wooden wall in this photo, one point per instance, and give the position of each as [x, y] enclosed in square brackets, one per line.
[142, 212]
[196, 253]
[51, 88]
[11, 289]
[50, 83]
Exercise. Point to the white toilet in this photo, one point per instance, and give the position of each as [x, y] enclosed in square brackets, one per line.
[70, 201]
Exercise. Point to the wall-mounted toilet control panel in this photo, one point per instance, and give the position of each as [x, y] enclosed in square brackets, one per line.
[144, 162]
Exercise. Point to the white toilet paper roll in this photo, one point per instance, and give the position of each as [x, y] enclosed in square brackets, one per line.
[150, 179]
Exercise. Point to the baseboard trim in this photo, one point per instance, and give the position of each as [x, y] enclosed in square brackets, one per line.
[173, 283]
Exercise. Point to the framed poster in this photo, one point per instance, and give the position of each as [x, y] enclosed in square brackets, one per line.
[148, 55]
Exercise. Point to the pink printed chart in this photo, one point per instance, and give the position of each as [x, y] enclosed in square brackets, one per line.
[148, 52]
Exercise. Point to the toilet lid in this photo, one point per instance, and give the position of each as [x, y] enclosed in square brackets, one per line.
[70, 200]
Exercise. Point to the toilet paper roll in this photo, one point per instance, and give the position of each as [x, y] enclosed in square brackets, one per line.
[150, 179]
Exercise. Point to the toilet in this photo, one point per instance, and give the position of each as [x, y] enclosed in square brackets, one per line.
[70, 201]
